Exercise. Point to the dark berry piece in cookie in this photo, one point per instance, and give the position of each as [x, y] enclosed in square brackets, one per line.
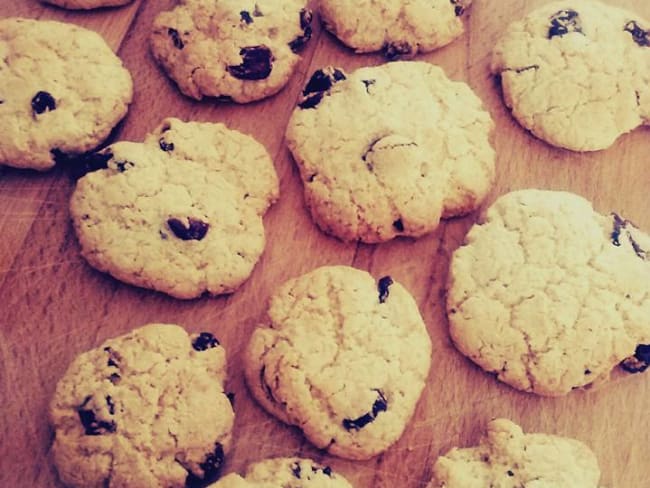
[246, 17]
[295, 469]
[256, 63]
[43, 102]
[165, 146]
[305, 24]
[399, 225]
[189, 230]
[210, 466]
[322, 80]
[122, 166]
[640, 361]
[318, 84]
[380, 405]
[84, 163]
[395, 50]
[640, 35]
[383, 285]
[619, 224]
[204, 341]
[564, 22]
[311, 101]
[176, 38]
[91, 424]
[113, 357]
[368, 84]
[638, 250]
[111, 405]
[459, 6]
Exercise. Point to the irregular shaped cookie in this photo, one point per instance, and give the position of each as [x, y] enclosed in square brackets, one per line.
[549, 295]
[284, 473]
[54, 98]
[180, 213]
[344, 358]
[506, 457]
[398, 28]
[576, 73]
[86, 4]
[242, 50]
[384, 151]
[144, 409]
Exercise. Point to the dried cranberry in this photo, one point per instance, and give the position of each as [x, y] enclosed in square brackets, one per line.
[43, 102]
[256, 63]
[195, 231]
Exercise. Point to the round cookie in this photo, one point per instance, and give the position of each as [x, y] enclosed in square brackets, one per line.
[284, 473]
[180, 213]
[386, 150]
[86, 4]
[344, 357]
[576, 73]
[507, 457]
[144, 409]
[55, 99]
[242, 50]
[398, 28]
[549, 295]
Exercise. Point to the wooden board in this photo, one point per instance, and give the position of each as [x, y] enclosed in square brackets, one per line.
[53, 306]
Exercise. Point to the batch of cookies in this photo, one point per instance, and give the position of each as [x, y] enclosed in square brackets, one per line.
[383, 152]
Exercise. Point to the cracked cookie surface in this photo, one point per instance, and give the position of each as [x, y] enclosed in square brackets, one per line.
[386, 150]
[284, 473]
[54, 97]
[86, 4]
[238, 50]
[180, 213]
[344, 358]
[576, 73]
[398, 28]
[144, 409]
[550, 295]
[507, 457]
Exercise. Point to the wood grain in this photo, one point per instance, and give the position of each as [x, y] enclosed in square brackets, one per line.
[53, 306]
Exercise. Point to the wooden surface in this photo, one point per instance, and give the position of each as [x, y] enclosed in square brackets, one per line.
[53, 306]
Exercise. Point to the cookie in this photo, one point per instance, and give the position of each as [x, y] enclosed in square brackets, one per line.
[144, 409]
[576, 73]
[397, 28]
[550, 295]
[344, 358]
[180, 213]
[55, 99]
[239, 50]
[386, 150]
[86, 4]
[284, 473]
[506, 457]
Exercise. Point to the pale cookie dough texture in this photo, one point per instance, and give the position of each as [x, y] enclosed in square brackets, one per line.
[549, 295]
[62, 90]
[576, 73]
[180, 213]
[386, 151]
[145, 409]
[398, 28]
[284, 473]
[86, 4]
[344, 357]
[506, 458]
[242, 50]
